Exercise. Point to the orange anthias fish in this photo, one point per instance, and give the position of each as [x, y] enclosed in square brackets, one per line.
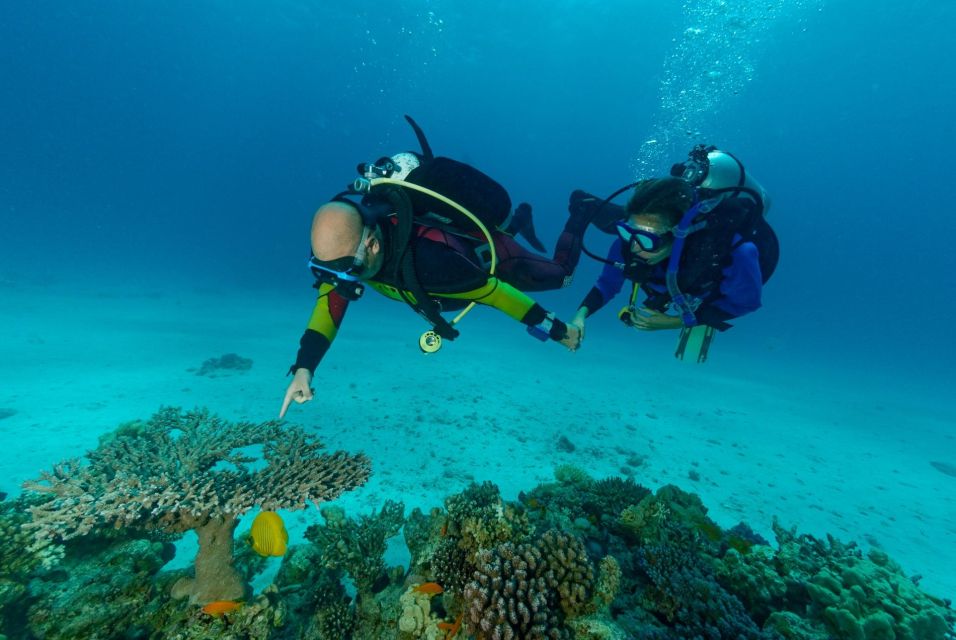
[269, 537]
[220, 608]
[451, 628]
[430, 588]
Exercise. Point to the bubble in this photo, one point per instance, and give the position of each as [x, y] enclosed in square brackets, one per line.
[713, 59]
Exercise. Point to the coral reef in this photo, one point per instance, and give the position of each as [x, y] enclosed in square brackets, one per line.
[578, 497]
[183, 471]
[608, 584]
[319, 607]
[214, 367]
[528, 590]
[18, 563]
[851, 594]
[649, 520]
[478, 519]
[579, 558]
[682, 591]
[261, 618]
[417, 619]
[357, 546]
[96, 587]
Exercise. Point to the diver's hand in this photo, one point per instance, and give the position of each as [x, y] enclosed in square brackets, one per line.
[578, 321]
[300, 390]
[649, 320]
[572, 340]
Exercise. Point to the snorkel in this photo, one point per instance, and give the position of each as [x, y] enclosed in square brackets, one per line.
[683, 229]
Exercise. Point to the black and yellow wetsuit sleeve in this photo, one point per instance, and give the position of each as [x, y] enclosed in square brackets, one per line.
[446, 273]
[323, 325]
[514, 303]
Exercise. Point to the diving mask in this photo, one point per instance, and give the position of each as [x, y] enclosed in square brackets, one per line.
[343, 273]
[644, 239]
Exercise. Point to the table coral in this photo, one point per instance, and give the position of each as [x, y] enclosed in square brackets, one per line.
[181, 471]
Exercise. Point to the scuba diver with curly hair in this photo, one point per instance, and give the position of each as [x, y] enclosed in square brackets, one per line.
[696, 244]
[438, 235]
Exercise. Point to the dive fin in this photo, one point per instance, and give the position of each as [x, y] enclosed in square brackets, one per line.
[422, 140]
[694, 343]
[522, 224]
[586, 208]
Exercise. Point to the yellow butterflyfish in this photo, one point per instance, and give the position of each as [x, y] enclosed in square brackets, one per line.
[269, 537]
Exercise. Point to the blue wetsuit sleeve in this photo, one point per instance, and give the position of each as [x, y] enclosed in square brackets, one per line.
[741, 286]
[609, 283]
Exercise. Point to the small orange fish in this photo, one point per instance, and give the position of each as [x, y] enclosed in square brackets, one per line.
[220, 608]
[269, 537]
[452, 628]
[430, 588]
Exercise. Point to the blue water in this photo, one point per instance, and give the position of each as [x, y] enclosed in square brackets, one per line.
[156, 145]
[156, 142]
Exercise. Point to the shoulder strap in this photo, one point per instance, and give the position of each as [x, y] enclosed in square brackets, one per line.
[403, 265]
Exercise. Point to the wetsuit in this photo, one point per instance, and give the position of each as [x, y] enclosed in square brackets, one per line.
[452, 266]
[447, 268]
[531, 272]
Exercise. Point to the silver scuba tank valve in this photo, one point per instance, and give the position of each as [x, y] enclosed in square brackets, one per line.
[711, 169]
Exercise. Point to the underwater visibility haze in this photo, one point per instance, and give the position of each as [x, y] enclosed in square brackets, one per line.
[160, 164]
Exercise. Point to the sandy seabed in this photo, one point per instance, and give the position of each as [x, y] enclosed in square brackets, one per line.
[825, 448]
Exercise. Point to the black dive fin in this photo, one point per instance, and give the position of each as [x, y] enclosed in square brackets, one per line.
[522, 225]
[422, 140]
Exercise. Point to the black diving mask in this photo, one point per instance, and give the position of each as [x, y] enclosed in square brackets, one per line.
[343, 273]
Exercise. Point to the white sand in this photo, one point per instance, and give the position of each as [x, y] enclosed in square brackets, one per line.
[822, 446]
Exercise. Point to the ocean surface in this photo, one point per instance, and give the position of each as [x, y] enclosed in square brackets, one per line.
[160, 163]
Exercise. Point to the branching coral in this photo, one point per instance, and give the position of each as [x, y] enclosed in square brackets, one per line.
[183, 471]
[577, 496]
[479, 519]
[683, 591]
[357, 547]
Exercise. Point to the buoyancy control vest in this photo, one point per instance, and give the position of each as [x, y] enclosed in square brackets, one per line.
[730, 209]
[709, 250]
[471, 189]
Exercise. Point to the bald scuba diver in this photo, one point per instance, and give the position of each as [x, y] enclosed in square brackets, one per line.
[696, 244]
[438, 235]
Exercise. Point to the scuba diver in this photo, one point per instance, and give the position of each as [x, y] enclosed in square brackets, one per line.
[696, 243]
[438, 235]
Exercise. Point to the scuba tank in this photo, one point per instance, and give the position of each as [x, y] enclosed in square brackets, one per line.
[720, 173]
[395, 180]
[715, 176]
